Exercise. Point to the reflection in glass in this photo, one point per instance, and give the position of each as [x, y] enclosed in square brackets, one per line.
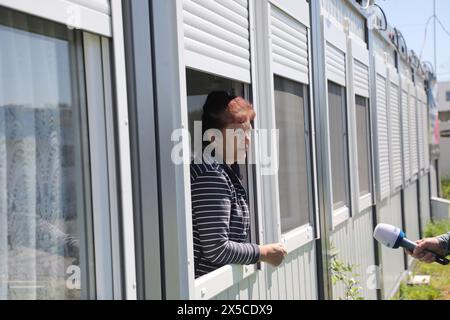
[293, 166]
[40, 224]
[362, 131]
[338, 145]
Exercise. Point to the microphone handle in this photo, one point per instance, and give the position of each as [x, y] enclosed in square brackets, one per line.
[439, 259]
[408, 244]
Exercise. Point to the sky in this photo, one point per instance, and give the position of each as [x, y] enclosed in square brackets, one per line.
[410, 17]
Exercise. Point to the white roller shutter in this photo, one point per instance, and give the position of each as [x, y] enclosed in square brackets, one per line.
[405, 127]
[420, 135]
[382, 134]
[289, 46]
[396, 139]
[426, 135]
[217, 38]
[335, 60]
[413, 141]
[361, 78]
[88, 15]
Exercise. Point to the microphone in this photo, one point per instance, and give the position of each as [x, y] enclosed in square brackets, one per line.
[393, 237]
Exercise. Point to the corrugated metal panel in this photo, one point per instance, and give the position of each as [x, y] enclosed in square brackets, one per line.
[406, 150]
[295, 279]
[392, 262]
[420, 135]
[289, 47]
[411, 213]
[383, 142]
[413, 134]
[361, 78]
[354, 241]
[335, 60]
[396, 139]
[426, 137]
[216, 37]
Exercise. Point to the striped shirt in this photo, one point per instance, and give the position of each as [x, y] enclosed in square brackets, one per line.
[221, 220]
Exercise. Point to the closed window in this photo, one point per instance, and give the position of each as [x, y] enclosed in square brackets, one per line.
[43, 213]
[363, 141]
[447, 96]
[338, 145]
[293, 178]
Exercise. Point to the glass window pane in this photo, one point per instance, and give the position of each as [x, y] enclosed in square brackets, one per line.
[338, 144]
[41, 208]
[362, 130]
[293, 164]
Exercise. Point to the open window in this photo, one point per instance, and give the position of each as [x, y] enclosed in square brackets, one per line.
[199, 85]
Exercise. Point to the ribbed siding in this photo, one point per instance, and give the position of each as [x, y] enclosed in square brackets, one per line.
[383, 142]
[413, 134]
[354, 241]
[405, 120]
[289, 46]
[420, 135]
[426, 138]
[217, 33]
[335, 60]
[392, 261]
[361, 78]
[396, 139]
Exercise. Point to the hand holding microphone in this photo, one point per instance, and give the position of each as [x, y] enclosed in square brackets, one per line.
[393, 237]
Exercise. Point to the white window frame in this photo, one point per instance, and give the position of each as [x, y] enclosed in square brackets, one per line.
[335, 34]
[394, 79]
[97, 27]
[381, 69]
[304, 234]
[358, 52]
[213, 283]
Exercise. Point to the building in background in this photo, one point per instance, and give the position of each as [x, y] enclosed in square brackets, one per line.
[443, 102]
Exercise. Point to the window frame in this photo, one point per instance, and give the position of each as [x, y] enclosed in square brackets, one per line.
[302, 234]
[336, 36]
[365, 200]
[342, 213]
[211, 284]
[98, 145]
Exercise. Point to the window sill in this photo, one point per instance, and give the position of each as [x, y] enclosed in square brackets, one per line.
[365, 202]
[211, 284]
[298, 237]
[340, 216]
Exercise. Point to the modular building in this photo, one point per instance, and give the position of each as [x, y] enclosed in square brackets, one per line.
[94, 95]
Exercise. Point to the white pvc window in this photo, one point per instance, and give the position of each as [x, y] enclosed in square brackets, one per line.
[338, 146]
[293, 173]
[58, 230]
[363, 145]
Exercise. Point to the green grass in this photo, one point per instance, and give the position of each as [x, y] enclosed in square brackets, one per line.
[436, 228]
[445, 186]
[439, 287]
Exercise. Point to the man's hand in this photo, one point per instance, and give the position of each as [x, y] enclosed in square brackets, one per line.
[430, 244]
[272, 253]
